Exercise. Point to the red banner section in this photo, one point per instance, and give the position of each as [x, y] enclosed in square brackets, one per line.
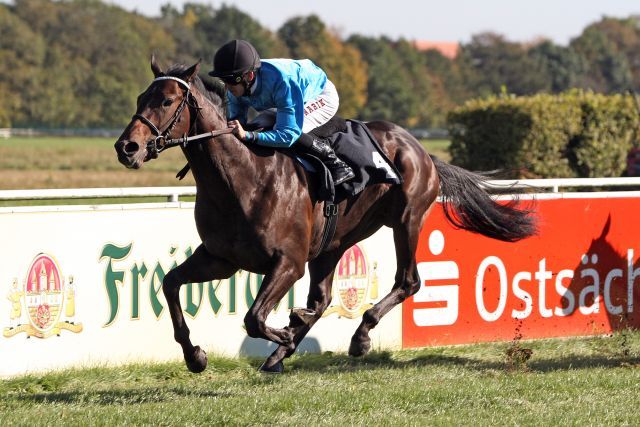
[579, 276]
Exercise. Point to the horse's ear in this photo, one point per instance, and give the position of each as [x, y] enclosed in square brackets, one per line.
[192, 71]
[155, 67]
[606, 228]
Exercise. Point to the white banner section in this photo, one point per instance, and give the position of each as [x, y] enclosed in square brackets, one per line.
[82, 286]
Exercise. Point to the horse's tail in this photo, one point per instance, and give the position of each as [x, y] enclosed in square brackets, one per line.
[469, 206]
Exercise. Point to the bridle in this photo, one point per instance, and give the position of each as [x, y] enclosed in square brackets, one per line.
[161, 141]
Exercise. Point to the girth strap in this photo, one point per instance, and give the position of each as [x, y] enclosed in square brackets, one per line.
[331, 214]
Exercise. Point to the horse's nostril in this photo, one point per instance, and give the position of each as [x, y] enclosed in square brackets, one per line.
[131, 148]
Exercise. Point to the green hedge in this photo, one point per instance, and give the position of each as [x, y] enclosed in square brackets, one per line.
[573, 134]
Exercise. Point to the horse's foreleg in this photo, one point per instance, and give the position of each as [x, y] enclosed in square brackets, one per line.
[199, 267]
[274, 287]
[301, 320]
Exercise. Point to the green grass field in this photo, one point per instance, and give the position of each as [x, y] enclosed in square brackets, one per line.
[50, 162]
[586, 381]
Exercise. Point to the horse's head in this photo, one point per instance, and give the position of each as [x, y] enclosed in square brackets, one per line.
[162, 113]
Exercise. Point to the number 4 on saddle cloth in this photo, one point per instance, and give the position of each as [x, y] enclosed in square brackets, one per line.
[355, 145]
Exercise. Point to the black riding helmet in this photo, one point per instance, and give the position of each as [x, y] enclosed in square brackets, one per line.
[234, 59]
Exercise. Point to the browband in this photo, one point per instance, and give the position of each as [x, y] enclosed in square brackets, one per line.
[185, 84]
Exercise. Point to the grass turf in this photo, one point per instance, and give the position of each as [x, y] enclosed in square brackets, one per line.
[580, 381]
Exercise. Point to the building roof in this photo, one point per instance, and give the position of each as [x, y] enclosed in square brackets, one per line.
[448, 49]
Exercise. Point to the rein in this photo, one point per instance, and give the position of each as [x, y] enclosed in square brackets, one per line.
[160, 142]
[185, 140]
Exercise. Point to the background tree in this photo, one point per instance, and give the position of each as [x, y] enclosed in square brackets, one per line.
[181, 25]
[563, 68]
[429, 93]
[22, 53]
[96, 61]
[609, 67]
[448, 78]
[626, 37]
[308, 37]
[389, 92]
[498, 63]
[216, 27]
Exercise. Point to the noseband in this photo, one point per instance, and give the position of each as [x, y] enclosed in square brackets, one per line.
[161, 142]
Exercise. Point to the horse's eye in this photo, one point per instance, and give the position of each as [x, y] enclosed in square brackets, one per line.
[167, 102]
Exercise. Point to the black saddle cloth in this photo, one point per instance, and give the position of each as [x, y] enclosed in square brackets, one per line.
[355, 145]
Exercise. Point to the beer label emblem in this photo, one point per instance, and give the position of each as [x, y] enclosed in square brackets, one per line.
[353, 284]
[44, 298]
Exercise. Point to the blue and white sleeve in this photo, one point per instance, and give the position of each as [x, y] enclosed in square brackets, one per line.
[286, 131]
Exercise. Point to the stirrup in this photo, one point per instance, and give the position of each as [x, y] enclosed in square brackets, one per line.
[349, 175]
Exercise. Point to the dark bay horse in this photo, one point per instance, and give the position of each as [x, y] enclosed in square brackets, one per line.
[255, 210]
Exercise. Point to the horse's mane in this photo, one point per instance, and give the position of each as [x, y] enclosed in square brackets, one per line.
[214, 91]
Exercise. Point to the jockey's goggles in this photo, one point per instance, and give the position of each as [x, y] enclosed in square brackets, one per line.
[232, 79]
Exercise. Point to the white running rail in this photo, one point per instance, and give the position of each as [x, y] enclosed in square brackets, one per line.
[173, 194]
[556, 183]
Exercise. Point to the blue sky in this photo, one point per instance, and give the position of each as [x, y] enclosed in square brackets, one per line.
[446, 20]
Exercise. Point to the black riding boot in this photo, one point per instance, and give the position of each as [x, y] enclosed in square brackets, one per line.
[340, 171]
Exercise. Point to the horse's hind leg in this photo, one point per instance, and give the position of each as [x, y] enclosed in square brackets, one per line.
[407, 282]
[321, 272]
[199, 267]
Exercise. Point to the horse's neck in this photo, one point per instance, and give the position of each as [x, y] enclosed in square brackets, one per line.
[210, 117]
[210, 163]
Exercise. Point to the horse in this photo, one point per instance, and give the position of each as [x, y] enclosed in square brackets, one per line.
[256, 210]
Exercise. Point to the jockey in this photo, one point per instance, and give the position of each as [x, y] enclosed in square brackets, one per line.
[299, 91]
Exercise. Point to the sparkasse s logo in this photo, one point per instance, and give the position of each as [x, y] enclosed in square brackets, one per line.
[437, 300]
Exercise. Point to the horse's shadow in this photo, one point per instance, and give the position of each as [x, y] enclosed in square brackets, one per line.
[610, 280]
[118, 397]
[573, 363]
[255, 347]
[384, 360]
[340, 362]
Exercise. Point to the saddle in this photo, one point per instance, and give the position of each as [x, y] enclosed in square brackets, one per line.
[355, 144]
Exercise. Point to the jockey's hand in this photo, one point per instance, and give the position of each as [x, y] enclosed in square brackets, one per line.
[238, 130]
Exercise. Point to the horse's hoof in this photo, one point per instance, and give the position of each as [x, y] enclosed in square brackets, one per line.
[199, 361]
[359, 348]
[276, 368]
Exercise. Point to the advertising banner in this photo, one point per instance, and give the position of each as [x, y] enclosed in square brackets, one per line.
[82, 286]
[579, 276]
